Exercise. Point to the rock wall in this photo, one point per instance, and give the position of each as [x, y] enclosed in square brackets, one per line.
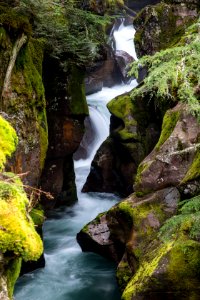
[66, 111]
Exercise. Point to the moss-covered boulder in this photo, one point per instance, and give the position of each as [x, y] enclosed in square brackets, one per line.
[18, 233]
[161, 26]
[18, 237]
[171, 263]
[124, 226]
[173, 161]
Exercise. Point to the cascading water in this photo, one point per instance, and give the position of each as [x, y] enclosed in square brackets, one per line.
[70, 274]
[124, 39]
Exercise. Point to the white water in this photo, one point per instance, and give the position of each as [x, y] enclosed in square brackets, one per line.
[70, 274]
[124, 39]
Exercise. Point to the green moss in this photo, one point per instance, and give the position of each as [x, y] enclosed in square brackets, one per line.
[126, 212]
[27, 65]
[173, 75]
[43, 134]
[28, 86]
[169, 122]
[37, 215]
[123, 108]
[141, 169]
[184, 263]
[17, 232]
[124, 274]
[13, 21]
[12, 273]
[8, 141]
[120, 106]
[194, 169]
[139, 282]
[78, 103]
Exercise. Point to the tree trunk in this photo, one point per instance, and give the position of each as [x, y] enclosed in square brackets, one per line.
[6, 85]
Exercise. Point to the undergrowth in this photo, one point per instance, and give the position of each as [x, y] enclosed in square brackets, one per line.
[187, 222]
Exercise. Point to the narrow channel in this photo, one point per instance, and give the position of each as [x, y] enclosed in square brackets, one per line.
[70, 274]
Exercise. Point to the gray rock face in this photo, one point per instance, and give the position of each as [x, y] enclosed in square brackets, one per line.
[95, 237]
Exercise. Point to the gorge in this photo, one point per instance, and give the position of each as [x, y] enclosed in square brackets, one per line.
[123, 182]
[69, 273]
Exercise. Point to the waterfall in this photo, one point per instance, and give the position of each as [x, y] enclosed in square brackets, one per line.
[124, 39]
[70, 274]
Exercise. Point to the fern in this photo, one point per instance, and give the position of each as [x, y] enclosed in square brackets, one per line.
[186, 223]
[173, 74]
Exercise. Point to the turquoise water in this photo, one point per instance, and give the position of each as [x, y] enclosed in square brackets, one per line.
[70, 274]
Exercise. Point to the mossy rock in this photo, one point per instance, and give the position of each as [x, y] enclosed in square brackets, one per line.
[175, 158]
[161, 26]
[8, 141]
[167, 81]
[12, 273]
[26, 108]
[172, 260]
[77, 102]
[17, 231]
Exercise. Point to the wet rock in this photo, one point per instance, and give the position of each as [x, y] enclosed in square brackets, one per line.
[95, 237]
[171, 163]
[123, 60]
[103, 73]
[66, 111]
[111, 234]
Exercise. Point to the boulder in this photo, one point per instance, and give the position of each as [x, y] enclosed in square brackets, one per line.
[172, 161]
[161, 26]
[168, 269]
[123, 60]
[121, 230]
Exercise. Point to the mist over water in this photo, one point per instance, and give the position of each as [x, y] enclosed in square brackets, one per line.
[70, 274]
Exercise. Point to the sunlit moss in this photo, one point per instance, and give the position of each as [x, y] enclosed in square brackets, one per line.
[169, 122]
[17, 231]
[140, 280]
[8, 141]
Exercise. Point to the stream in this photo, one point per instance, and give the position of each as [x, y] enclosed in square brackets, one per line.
[69, 273]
